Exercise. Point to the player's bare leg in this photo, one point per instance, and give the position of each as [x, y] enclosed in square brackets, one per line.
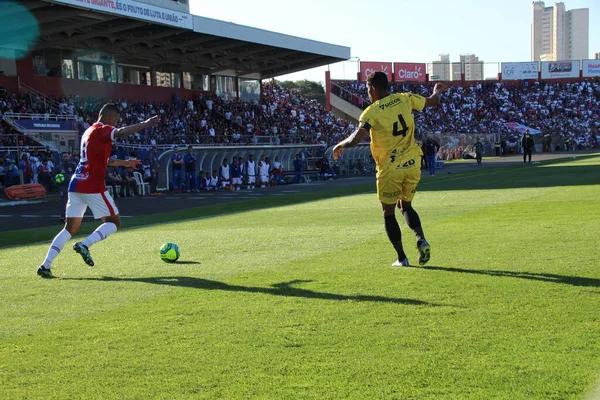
[414, 222]
[110, 225]
[393, 232]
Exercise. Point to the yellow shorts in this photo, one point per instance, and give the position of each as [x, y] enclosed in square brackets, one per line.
[399, 183]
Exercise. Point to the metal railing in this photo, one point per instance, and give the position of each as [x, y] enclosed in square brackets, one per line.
[48, 102]
[41, 117]
[35, 136]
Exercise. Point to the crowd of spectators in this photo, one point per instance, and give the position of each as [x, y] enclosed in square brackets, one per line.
[281, 117]
[561, 111]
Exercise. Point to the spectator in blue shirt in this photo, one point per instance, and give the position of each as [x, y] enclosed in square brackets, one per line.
[298, 169]
[190, 170]
[177, 163]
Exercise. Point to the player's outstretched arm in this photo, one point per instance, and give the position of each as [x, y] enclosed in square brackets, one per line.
[130, 130]
[351, 141]
[434, 99]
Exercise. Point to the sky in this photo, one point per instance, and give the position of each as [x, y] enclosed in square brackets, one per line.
[399, 30]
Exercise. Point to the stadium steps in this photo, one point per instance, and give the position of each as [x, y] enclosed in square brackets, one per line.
[340, 105]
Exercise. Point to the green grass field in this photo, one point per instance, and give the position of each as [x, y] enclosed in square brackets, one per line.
[300, 301]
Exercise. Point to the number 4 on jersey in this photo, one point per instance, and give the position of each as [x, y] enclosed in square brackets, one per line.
[404, 130]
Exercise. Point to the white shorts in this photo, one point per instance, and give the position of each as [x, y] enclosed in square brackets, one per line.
[264, 178]
[251, 179]
[236, 181]
[101, 204]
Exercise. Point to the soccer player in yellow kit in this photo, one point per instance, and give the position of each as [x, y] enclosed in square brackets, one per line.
[390, 123]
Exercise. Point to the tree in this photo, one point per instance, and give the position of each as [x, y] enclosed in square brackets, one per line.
[306, 88]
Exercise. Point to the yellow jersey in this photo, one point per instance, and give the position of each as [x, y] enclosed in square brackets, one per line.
[392, 129]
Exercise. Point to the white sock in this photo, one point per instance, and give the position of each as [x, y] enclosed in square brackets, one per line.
[99, 234]
[57, 245]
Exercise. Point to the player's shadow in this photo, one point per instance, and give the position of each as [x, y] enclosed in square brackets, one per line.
[526, 177]
[552, 278]
[285, 289]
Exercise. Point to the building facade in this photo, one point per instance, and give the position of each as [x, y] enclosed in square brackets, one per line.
[440, 70]
[558, 33]
[473, 68]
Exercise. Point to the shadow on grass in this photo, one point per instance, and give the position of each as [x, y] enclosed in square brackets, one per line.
[516, 177]
[186, 262]
[285, 289]
[552, 278]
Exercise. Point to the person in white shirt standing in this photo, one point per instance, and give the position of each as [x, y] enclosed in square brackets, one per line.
[224, 174]
[263, 171]
[250, 171]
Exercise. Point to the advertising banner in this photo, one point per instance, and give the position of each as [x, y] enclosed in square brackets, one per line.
[133, 9]
[591, 68]
[560, 69]
[366, 67]
[409, 72]
[37, 125]
[515, 126]
[520, 70]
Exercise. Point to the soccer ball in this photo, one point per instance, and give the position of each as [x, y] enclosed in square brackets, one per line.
[169, 252]
[59, 178]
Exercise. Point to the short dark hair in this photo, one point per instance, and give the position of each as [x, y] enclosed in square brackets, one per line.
[108, 109]
[378, 80]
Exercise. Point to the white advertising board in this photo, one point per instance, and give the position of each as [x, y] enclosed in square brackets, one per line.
[560, 69]
[520, 70]
[591, 68]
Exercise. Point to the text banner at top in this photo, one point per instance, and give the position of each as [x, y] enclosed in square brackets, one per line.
[136, 10]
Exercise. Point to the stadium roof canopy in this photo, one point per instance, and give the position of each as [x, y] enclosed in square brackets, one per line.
[141, 34]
